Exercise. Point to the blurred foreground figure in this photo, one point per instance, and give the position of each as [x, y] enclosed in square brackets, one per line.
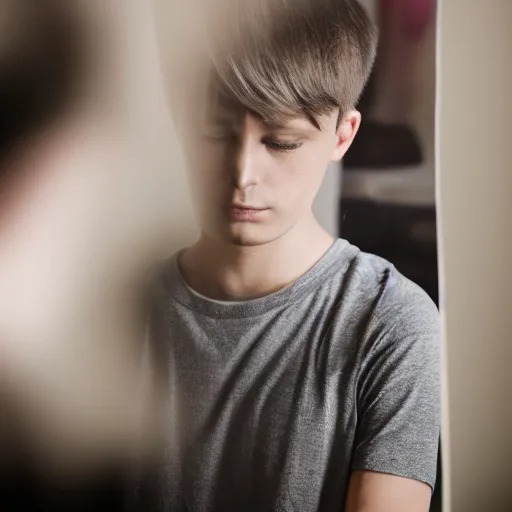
[85, 153]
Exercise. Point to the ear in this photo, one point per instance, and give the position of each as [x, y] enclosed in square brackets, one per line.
[347, 129]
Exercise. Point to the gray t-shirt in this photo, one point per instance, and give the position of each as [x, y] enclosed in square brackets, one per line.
[276, 400]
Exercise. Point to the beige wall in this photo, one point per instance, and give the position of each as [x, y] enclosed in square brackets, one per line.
[475, 187]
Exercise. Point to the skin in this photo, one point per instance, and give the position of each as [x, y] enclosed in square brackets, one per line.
[243, 162]
[377, 492]
[238, 160]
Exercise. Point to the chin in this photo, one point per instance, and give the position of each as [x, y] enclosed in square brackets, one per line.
[241, 241]
[249, 236]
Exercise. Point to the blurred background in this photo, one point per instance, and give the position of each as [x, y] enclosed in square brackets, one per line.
[453, 148]
[382, 197]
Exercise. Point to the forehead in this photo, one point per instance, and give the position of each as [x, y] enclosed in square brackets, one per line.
[206, 99]
[219, 108]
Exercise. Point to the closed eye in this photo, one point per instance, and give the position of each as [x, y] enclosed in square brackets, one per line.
[220, 133]
[279, 145]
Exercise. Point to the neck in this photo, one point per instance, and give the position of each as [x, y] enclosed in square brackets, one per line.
[228, 272]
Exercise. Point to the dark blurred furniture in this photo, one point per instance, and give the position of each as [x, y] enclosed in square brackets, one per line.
[404, 235]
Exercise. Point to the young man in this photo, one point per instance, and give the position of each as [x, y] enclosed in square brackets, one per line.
[304, 374]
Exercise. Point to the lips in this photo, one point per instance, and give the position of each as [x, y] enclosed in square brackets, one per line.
[243, 213]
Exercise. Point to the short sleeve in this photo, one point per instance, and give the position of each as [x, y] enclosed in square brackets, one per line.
[398, 393]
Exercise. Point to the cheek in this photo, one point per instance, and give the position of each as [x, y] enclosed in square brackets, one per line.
[299, 179]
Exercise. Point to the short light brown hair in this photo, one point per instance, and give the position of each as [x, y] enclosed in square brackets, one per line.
[301, 57]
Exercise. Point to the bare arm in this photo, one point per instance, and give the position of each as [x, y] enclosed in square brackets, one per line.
[379, 492]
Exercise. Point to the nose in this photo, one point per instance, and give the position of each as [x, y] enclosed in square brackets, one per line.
[245, 172]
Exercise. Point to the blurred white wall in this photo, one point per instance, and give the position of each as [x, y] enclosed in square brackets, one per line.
[474, 187]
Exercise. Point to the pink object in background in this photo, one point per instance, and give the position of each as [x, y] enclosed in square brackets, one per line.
[413, 16]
